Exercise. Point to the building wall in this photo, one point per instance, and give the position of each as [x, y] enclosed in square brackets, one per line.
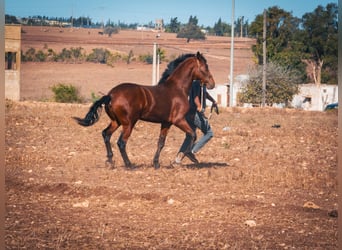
[315, 98]
[12, 63]
[220, 94]
[311, 97]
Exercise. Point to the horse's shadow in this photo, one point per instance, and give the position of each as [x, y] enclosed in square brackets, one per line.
[188, 166]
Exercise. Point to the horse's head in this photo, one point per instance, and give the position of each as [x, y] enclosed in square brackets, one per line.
[202, 72]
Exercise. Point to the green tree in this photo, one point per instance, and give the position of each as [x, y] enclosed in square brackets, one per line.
[174, 26]
[193, 20]
[218, 28]
[320, 39]
[191, 30]
[11, 19]
[281, 28]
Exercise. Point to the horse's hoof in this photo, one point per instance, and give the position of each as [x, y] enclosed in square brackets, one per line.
[131, 167]
[156, 165]
[110, 165]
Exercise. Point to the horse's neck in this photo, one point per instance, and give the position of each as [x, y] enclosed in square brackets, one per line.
[182, 76]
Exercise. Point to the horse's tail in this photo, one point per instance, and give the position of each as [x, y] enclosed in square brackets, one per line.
[94, 112]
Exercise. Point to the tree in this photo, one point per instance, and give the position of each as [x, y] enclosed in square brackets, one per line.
[11, 19]
[281, 29]
[193, 20]
[320, 39]
[281, 85]
[174, 26]
[221, 28]
[191, 30]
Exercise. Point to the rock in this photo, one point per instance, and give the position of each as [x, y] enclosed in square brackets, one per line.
[83, 204]
[310, 205]
[250, 223]
[333, 213]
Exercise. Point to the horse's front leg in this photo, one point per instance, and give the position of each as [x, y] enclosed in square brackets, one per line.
[161, 142]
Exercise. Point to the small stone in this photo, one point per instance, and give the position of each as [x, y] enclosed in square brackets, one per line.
[250, 223]
[83, 204]
[310, 205]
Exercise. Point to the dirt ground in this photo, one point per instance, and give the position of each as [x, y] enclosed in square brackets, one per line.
[266, 180]
[61, 196]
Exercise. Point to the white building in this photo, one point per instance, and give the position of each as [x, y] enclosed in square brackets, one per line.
[221, 92]
[12, 61]
[315, 97]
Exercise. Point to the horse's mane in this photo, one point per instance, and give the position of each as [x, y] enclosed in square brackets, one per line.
[173, 65]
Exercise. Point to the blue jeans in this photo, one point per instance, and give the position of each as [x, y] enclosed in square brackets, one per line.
[197, 120]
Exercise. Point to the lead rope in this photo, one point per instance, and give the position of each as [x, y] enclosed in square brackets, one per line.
[201, 98]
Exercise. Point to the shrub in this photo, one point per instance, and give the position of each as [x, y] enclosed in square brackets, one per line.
[146, 58]
[111, 30]
[29, 55]
[99, 55]
[76, 53]
[281, 85]
[66, 93]
[40, 56]
[65, 55]
[113, 58]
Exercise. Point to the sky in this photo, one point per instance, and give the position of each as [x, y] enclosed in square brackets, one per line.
[142, 12]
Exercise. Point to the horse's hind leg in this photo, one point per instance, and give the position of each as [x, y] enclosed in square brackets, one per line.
[122, 141]
[161, 142]
[107, 133]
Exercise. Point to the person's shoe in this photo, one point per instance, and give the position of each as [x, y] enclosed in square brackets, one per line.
[178, 159]
[191, 157]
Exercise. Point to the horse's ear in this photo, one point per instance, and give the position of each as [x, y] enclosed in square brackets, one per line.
[198, 55]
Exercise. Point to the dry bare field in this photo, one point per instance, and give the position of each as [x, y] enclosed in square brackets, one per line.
[37, 78]
[258, 186]
[61, 196]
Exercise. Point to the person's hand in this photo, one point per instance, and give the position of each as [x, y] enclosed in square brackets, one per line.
[201, 112]
[214, 107]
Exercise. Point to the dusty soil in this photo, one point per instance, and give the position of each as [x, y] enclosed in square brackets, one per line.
[60, 195]
[267, 180]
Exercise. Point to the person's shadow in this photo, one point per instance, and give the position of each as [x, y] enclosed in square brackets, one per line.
[206, 165]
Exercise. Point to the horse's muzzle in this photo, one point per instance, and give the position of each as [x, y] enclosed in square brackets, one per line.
[210, 83]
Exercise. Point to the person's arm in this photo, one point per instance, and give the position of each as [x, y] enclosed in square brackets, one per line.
[210, 98]
[198, 104]
[214, 103]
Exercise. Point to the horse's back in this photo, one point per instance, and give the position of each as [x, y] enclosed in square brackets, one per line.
[148, 103]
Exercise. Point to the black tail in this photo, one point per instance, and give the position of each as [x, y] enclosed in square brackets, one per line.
[94, 112]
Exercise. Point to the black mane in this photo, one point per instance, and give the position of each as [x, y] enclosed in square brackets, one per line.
[173, 65]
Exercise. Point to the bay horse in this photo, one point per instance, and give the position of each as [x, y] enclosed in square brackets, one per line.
[165, 103]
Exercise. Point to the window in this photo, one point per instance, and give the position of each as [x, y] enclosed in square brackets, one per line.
[10, 60]
[307, 99]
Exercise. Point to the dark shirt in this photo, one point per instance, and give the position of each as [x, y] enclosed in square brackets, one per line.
[197, 90]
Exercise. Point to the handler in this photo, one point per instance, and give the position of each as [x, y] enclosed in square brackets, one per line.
[196, 119]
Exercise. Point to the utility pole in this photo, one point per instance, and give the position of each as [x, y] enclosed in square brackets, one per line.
[231, 88]
[154, 65]
[241, 27]
[264, 62]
